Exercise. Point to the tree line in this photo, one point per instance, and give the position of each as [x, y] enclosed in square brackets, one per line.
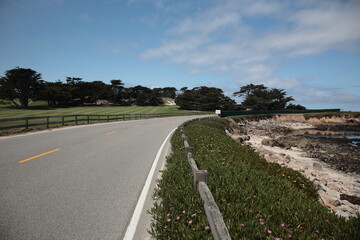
[20, 86]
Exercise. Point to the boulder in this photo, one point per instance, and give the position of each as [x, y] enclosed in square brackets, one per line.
[317, 167]
[265, 142]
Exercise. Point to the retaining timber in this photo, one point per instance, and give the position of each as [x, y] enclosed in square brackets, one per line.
[218, 228]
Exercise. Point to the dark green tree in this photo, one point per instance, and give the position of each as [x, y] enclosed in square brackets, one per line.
[169, 92]
[204, 98]
[183, 89]
[259, 97]
[55, 93]
[19, 86]
[143, 96]
[295, 107]
[117, 87]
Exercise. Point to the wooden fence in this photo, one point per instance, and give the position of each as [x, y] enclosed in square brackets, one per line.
[212, 211]
[52, 121]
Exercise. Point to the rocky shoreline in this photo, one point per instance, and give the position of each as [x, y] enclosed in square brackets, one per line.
[332, 163]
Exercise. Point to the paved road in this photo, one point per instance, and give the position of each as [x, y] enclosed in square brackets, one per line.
[79, 182]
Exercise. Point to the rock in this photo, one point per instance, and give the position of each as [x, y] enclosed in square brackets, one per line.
[332, 193]
[335, 203]
[317, 167]
[343, 214]
[333, 186]
[326, 199]
[265, 142]
[350, 198]
[353, 206]
[348, 209]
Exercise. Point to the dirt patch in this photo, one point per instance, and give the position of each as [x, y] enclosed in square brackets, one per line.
[325, 150]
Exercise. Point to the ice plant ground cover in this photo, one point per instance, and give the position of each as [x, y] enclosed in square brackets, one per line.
[258, 200]
[179, 213]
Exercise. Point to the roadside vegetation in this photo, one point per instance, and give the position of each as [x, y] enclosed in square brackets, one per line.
[258, 199]
[178, 211]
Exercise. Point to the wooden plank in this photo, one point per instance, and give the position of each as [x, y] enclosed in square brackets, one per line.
[188, 149]
[184, 138]
[193, 166]
[12, 126]
[200, 176]
[214, 216]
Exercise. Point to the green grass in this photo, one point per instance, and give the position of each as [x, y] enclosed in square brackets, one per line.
[258, 200]
[41, 109]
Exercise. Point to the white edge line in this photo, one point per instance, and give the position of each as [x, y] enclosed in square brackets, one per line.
[130, 231]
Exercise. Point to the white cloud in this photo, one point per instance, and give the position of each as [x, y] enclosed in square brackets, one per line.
[312, 95]
[222, 38]
[318, 29]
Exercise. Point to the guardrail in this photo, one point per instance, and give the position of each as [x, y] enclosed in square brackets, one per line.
[200, 178]
[52, 121]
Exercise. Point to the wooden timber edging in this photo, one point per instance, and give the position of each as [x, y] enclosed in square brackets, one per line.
[218, 228]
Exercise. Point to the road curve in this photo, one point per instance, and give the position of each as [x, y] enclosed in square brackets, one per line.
[77, 182]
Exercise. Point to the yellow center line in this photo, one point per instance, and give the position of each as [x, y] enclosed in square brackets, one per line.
[28, 159]
[110, 133]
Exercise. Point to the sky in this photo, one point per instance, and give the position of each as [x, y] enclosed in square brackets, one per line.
[309, 48]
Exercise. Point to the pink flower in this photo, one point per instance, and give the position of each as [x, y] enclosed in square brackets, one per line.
[282, 225]
[262, 223]
[183, 212]
[190, 222]
[194, 215]
[261, 220]
[207, 228]
[177, 218]
[241, 224]
[277, 238]
[168, 215]
[250, 211]
[168, 220]
[289, 236]
[172, 208]
[269, 231]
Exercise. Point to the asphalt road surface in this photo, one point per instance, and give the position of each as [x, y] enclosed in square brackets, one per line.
[77, 182]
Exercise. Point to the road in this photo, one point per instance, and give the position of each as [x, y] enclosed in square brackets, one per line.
[77, 182]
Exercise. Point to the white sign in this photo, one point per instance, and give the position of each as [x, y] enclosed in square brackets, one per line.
[218, 112]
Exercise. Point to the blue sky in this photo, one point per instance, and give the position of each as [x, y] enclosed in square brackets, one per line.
[309, 48]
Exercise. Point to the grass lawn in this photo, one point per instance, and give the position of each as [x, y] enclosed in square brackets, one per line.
[41, 109]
